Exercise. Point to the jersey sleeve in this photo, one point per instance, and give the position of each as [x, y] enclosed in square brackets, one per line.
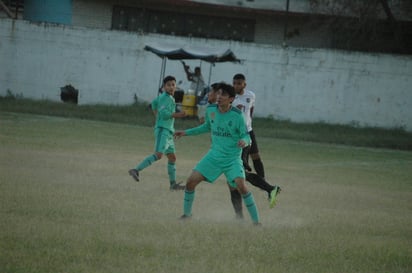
[154, 104]
[203, 128]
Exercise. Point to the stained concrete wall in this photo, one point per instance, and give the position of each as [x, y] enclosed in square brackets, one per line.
[302, 85]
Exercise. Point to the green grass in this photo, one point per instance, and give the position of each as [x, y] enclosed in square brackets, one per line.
[68, 205]
[138, 113]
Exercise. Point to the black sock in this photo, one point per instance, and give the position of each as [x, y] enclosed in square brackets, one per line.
[258, 165]
[245, 158]
[237, 203]
[259, 182]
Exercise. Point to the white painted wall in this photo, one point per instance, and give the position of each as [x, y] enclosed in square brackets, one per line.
[302, 85]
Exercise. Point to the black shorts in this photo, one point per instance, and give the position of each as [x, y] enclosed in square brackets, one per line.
[254, 147]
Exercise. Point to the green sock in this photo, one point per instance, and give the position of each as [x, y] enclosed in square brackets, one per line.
[171, 171]
[146, 162]
[188, 202]
[251, 207]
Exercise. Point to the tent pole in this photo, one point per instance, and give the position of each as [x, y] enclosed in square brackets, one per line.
[210, 73]
[162, 73]
[164, 68]
[197, 84]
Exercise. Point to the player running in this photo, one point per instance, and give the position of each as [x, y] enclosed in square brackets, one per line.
[228, 135]
[245, 101]
[164, 107]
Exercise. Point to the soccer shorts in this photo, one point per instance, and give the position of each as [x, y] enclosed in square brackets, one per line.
[212, 166]
[164, 142]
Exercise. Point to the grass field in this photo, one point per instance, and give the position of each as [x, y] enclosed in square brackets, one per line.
[138, 113]
[68, 205]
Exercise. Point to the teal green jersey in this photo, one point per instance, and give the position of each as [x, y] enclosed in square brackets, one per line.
[154, 103]
[165, 106]
[226, 130]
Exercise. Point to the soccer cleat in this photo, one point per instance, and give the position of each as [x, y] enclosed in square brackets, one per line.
[184, 217]
[257, 224]
[272, 196]
[135, 174]
[177, 187]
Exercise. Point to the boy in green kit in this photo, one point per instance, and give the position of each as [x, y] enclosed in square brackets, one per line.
[164, 107]
[229, 135]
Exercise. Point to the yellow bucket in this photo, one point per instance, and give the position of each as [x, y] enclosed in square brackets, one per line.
[190, 110]
[189, 100]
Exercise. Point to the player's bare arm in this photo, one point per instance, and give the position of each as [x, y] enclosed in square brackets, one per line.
[179, 134]
[179, 114]
[242, 143]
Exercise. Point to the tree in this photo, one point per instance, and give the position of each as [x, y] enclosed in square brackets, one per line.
[367, 25]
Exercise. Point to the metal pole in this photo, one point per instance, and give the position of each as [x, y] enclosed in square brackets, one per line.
[6, 9]
[197, 84]
[16, 14]
[285, 30]
[162, 73]
[164, 68]
[210, 73]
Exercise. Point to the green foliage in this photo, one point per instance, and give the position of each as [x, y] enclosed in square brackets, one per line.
[11, 96]
[136, 113]
[335, 134]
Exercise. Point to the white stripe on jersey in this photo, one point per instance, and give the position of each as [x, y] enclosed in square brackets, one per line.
[245, 103]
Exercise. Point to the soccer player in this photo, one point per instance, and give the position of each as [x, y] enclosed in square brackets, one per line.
[164, 107]
[211, 98]
[252, 178]
[229, 135]
[245, 101]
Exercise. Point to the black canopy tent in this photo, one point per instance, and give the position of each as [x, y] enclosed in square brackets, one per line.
[173, 52]
[195, 53]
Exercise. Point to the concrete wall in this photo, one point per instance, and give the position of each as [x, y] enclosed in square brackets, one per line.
[302, 85]
[95, 14]
[268, 29]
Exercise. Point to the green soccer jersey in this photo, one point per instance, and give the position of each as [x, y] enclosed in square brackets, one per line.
[165, 105]
[226, 131]
[154, 103]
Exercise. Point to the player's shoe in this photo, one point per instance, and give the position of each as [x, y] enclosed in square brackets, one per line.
[177, 187]
[257, 224]
[135, 174]
[272, 196]
[184, 217]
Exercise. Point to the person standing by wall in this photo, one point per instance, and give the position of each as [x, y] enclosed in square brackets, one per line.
[198, 84]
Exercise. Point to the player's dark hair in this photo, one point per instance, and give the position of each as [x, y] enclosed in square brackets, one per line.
[215, 86]
[227, 89]
[239, 77]
[168, 78]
